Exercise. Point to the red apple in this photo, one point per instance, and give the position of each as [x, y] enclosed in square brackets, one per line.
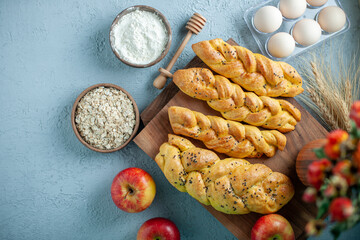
[133, 190]
[158, 229]
[271, 227]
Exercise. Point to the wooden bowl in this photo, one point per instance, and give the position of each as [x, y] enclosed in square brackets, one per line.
[148, 9]
[305, 157]
[73, 124]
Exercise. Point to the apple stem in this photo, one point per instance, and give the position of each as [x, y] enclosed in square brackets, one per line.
[126, 195]
[130, 191]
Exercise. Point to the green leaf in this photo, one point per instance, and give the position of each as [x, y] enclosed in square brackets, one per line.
[323, 207]
[355, 197]
[320, 153]
[353, 220]
[340, 227]
[354, 132]
[337, 229]
[353, 127]
[336, 233]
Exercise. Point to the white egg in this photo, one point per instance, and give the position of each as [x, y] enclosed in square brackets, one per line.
[332, 19]
[268, 19]
[306, 32]
[281, 45]
[316, 3]
[292, 8]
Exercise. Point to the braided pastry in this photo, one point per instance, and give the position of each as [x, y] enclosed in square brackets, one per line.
[235, 104]
[252, 71]
[225, 136]
[232, 186]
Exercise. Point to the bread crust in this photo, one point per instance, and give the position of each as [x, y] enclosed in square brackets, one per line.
[225, 136]
[233, 103]
[252, 71]
[232, 186]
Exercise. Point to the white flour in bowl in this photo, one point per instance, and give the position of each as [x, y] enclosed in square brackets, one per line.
[139, 37]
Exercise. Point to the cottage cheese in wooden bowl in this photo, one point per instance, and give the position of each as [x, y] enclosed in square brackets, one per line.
[105, 117]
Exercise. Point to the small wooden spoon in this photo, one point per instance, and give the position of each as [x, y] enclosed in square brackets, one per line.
[194, 25]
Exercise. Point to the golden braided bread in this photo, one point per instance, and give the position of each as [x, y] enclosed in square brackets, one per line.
[232, 186]
[235, 104]
[225, 136]
[252, 71]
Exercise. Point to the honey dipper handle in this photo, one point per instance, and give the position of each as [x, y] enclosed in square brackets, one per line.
[160, 81]
[179, 50]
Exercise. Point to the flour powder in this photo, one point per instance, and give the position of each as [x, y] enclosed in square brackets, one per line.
[140, 37]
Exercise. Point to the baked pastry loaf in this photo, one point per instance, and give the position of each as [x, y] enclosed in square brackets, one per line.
[252, 71]
[235, 104]
[225, 136]
[232, 186]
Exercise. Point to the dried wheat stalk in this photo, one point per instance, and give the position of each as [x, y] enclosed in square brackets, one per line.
[331, 89]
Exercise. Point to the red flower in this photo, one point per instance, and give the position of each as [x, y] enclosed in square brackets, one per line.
[330, 191]
[341, 209]
[316, 172]
[343, 169]
[335, 138]
[309, 195]
[355, 113]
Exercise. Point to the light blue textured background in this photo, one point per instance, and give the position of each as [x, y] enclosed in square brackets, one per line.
[51, 186]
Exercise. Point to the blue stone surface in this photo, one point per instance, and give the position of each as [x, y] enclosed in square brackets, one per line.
[51, 186]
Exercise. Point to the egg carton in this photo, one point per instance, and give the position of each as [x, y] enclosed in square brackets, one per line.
[287, 25]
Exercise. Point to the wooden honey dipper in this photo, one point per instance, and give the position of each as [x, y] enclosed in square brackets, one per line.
[194, 25]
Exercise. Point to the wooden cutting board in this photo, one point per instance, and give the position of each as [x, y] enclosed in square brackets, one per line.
[157, 127]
